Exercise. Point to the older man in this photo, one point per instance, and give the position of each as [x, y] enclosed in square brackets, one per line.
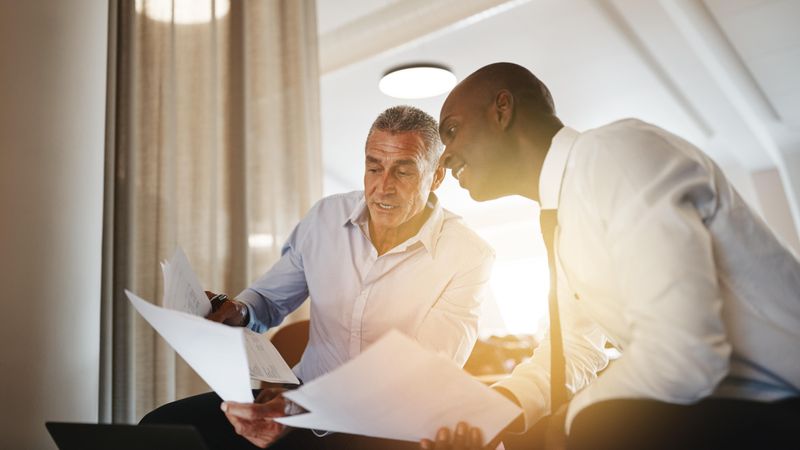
[388, 257]
[657, 255]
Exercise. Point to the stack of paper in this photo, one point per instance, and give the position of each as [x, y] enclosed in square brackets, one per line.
[398, 390]
[225, 357]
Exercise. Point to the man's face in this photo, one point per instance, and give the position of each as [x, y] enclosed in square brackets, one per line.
[473, 148]
[398, 178]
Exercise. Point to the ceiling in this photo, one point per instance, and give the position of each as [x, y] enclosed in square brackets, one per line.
[721, 73]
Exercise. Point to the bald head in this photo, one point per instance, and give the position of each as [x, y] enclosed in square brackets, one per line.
[497, 126]
[482, 86]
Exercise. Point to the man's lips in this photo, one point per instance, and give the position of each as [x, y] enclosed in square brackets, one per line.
[384, 206]
[458, 171]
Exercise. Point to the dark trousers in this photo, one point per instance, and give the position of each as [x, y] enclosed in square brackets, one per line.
[652, 425]
[203, 412]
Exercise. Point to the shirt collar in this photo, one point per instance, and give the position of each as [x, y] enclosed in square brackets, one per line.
[555, 163]
[427, 234]
[359, 213]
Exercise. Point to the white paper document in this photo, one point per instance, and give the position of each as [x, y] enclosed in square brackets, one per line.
[265, 362]
[182, 289]
[215, 351]
[398, 390]
[183, 292]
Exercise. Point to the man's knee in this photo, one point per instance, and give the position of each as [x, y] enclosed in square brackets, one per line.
[190, 410]
[162, 415]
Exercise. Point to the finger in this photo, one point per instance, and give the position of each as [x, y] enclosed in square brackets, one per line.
[258, 442]
[443, 438]
[217, 316]
[245, 411]
[261, 433]
[235, 422]
[256, 411]
[210, 294]
[225, 314]
[475, 439]
[460, 438]
[268, 394]
[426, 444]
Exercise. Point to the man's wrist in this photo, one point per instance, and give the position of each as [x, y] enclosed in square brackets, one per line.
[244, 313]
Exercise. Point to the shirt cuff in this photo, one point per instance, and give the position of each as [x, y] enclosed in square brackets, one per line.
[534, 404]
[256, 310]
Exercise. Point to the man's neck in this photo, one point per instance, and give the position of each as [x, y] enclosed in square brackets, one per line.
[385, 239]
[534, 147]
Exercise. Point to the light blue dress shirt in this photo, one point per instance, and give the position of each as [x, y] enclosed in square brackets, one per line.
[429, 287]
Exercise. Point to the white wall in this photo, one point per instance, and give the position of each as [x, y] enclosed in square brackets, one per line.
[52, 112]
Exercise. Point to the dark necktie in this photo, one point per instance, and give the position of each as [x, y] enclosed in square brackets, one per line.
[548, 219]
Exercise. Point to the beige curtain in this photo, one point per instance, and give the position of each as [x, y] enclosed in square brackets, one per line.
[213, 145]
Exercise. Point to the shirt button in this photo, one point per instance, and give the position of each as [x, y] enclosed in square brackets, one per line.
[577, 297]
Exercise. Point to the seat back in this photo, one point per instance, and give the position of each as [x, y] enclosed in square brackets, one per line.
[291, 341]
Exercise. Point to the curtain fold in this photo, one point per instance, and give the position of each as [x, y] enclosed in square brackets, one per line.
[214, 147]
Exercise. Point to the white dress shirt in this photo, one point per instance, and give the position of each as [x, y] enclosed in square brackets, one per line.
[429, 287]
[658, 255]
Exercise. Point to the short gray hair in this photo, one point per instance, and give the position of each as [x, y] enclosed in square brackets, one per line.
[408, 119]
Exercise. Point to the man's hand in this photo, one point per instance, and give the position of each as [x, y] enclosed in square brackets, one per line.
[464, 437]
[229, 312]
[254, 421]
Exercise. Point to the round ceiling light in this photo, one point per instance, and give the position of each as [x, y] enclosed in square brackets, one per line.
[417, 81]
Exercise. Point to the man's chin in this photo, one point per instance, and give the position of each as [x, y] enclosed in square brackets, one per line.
[482, 195]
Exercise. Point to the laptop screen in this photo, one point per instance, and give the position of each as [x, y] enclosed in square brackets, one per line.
[92, 436]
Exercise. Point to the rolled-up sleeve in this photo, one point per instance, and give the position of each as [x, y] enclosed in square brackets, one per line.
[583, 349]
[279, 291]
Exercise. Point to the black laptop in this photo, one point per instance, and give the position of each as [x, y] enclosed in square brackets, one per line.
[92, 436]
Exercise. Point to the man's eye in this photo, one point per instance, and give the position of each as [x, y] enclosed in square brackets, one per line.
[451, 131]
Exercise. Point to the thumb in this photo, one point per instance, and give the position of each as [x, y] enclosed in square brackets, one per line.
[253, 411]
[217, 316]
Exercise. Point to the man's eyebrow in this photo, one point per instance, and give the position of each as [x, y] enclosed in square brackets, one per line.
[443, 125]
[398, 162]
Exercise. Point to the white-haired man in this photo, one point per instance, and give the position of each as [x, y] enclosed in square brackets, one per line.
[388, 257]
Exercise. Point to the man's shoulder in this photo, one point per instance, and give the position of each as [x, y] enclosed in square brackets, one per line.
[618, 131]
[337, 205]
[624, 133]
[630, 141]
[457, 234]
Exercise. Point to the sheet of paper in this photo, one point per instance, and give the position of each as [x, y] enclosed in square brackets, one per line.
[182, 289]
[215, 351]
[265, 362]
[398, 390]
[183, 292]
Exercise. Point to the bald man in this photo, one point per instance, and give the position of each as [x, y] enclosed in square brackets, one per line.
[658, 256]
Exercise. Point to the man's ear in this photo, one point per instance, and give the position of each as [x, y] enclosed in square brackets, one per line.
[504, 108]
[438, 177]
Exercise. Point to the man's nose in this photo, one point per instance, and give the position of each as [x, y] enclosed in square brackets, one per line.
[387, 182]
[445, 159]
